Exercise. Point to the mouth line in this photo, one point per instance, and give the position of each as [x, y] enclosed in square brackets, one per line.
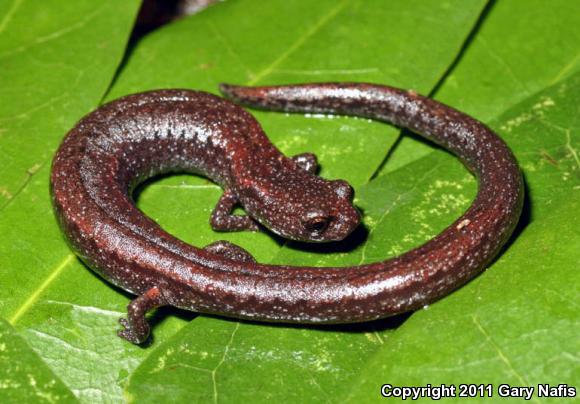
[315, 239]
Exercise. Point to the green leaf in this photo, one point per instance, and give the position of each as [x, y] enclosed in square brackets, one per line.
[24, 377]
[511, 324]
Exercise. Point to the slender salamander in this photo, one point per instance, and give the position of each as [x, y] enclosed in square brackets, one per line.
[122, 143]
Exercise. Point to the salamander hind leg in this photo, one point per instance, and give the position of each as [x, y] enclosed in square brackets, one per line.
[230, 251]
[222, 218]
[307, 161]
[135, 327]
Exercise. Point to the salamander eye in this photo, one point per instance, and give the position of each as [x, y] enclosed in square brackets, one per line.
[317, 224]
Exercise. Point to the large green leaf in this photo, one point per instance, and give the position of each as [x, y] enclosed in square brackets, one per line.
[68, 315]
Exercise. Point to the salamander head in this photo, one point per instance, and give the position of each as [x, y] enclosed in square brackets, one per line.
[304, 207]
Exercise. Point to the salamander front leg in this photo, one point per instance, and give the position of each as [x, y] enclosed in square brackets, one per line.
[222, 218]
[230, 251]
[135, 326]
[307, 161]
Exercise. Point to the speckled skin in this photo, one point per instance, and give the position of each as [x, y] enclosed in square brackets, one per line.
[128, 140]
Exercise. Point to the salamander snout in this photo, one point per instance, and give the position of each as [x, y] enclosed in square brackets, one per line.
[343, 189]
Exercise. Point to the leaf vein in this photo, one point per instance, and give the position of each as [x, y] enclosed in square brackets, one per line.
[54, 35]
[503, 62]
[299, 42]
[501, 355]
[218, 34]
[566, 69]
[29, 174]
[40, 289]
[214, 371]
[8, 16]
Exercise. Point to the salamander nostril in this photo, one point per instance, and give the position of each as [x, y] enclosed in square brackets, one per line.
[317, 224]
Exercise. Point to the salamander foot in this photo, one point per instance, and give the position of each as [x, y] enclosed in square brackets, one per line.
[135, 327]
[230, 251]
[222, 218]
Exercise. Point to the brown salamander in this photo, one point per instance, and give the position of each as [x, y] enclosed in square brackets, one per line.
[122, 143]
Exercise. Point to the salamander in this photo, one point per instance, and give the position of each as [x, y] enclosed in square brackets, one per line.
[119, 145]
